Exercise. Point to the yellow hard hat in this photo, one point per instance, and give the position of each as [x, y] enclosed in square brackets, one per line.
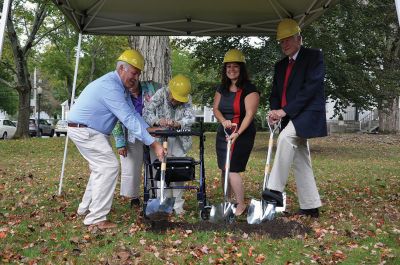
[286, 28]
[134, 58]
[234, 56]
[180, 87]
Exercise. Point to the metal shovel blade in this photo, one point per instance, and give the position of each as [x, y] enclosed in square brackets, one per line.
[269, 211]
[220, 212]
[157, 210]
[255, 212]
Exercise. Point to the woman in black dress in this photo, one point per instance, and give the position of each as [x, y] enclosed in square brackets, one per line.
[235, 101]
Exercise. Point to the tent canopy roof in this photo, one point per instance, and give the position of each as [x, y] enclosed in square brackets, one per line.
[187, 17]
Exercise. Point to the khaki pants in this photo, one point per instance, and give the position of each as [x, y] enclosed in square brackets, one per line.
[292, 149]
[131, 170]
[95, 147]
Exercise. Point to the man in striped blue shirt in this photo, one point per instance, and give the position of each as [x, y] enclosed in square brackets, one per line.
[90, 123]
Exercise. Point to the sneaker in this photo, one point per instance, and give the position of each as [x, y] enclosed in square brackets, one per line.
[273, 195]
[135, 202]
[314, 212]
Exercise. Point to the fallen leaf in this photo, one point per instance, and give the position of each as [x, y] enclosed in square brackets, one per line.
[260, 258]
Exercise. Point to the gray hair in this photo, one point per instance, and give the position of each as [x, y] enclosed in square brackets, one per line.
[124, 64]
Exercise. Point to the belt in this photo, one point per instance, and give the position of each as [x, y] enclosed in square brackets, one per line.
[77, 125]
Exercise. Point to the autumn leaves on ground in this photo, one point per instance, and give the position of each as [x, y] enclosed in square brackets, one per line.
[357, 175]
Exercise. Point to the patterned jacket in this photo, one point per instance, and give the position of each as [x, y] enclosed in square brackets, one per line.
[160, 107]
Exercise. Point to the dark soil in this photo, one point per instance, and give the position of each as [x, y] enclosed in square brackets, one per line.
[277, 228]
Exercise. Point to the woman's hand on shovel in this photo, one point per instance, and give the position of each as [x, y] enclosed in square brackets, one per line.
[233, 136]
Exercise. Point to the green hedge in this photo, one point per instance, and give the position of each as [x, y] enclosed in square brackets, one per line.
[207, 126]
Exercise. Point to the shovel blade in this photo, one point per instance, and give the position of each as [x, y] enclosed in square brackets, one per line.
[217, 213]
[269, 211]
[223, 211]
[255, 212]
[157, 210]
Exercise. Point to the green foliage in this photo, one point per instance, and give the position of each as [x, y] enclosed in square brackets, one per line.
[8, 99]
[360, 41]
[208, 53]
[57, 60]
[8, 95]
[207, 126]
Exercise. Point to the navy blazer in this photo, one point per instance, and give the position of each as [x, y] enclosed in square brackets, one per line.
[305, 94]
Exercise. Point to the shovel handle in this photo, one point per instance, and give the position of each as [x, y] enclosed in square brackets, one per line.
[228, 160]
[272, 130]
[235, 126]
[163, 170]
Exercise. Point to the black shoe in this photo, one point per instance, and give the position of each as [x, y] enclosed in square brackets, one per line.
[135, 202]
[314, 212]
[273, 195]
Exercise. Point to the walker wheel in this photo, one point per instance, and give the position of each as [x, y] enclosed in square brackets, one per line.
[205, 214]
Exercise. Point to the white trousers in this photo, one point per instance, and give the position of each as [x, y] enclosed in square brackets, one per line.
[131, 170]
[95, 147]
[292, 149]
[169, 193]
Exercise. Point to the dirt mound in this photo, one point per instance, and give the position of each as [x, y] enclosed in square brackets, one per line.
[277, 228]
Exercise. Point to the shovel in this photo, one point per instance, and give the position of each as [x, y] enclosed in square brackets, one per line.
[160, 208]
[225, 210]
[260, 211]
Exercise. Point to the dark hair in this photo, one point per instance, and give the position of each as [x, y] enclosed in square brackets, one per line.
[243, 76]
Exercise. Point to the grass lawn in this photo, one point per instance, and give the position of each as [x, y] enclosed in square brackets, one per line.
[358, 178]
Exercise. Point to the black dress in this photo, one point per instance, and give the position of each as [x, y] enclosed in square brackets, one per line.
[233, 108]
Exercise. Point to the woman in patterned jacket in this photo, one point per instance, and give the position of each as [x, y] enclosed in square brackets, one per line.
[171, 107]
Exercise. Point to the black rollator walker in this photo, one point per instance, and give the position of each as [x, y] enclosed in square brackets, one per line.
[173, 169]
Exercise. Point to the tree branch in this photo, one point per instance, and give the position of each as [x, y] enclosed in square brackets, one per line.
[6, 83]
[39, 18]
[38, 39]
[9, 66]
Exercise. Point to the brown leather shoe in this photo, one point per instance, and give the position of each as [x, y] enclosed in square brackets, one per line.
[103, 225]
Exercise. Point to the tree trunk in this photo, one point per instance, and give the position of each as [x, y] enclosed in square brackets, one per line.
[389, 117]
[157, 55]
[20, 54]
[23, 83]
[23, 113]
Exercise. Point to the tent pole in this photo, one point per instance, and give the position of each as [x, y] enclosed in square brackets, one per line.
[78, 51]
[3, 22]
[398, 9]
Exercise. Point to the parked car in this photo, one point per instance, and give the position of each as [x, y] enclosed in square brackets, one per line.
[61, 127]
[45, 128]
[7, 129]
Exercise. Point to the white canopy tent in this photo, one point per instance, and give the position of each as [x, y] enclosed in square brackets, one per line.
[187, 17]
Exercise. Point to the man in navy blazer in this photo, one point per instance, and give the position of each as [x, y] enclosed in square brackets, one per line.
[298, 99]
